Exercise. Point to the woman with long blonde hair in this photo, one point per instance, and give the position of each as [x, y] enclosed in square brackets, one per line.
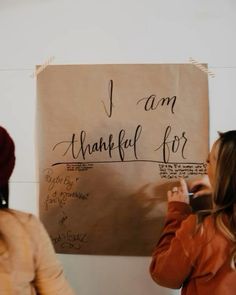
[198, 251]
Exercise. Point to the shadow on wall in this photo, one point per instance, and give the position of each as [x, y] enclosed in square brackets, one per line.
[113, 220]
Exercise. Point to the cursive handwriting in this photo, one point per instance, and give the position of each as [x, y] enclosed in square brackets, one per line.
[54, 180]
[151, 102]
[70, 239]
[81, 147]
[61, 198]
[172, 146]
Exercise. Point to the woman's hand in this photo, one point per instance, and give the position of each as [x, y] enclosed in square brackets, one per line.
[179, 194]
[200, 187]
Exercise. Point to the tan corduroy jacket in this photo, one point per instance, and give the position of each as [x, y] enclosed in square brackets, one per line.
[28, 264]
[199, 262]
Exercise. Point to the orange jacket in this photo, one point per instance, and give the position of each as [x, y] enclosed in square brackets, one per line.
[197, 261]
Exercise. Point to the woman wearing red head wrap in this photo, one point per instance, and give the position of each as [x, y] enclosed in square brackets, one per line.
[28, 264]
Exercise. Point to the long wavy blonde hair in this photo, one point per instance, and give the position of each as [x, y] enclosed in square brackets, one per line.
[224, 192]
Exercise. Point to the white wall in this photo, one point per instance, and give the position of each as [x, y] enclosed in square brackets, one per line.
[107, 31]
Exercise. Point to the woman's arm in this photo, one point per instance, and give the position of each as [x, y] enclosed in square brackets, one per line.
[171, 264]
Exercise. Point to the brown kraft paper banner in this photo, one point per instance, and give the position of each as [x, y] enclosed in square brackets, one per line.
[112, 139]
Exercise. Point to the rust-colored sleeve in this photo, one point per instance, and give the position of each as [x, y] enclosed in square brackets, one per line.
[170, 264]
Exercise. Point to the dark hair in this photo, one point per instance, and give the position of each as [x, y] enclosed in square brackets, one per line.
[4, 196]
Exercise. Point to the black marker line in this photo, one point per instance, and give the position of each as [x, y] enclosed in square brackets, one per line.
[111, 103]
[126, 161]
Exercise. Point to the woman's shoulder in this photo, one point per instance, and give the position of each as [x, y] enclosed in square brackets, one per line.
[192, 229]
[196, 219]
[18, 216]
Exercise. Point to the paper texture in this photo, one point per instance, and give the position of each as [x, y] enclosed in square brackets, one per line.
[112, 139]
